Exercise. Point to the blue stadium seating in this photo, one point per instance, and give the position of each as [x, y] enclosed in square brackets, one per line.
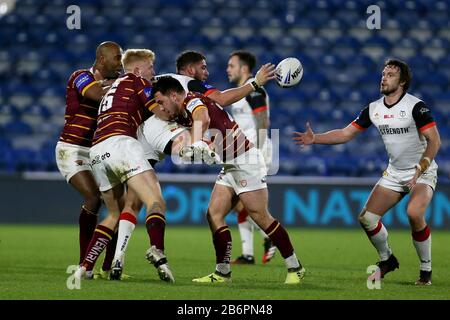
[342, 61]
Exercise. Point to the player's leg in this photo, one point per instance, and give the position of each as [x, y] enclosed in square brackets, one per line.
[256, 203]
[381, 199]
[419, 200]
[245, 227]
[146, 187]
[127, 224]
[85, 184]
[103, 234]
[223, 199]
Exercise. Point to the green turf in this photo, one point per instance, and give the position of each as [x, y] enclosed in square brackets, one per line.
[33, 262]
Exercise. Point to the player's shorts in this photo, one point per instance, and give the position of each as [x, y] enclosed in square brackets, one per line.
[117, 159]
[396, 180]
[154, 135]
[266, 151]
[71, 159]
[248, 173]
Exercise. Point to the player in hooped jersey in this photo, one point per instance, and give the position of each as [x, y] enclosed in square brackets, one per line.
[192, 73]
[85, 89]
[117, 158]
[412, 141]
[242, 176]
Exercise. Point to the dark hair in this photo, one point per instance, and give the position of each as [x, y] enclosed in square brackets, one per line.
[188, 57]
[405, 71]
[167, 84]
[245, 58]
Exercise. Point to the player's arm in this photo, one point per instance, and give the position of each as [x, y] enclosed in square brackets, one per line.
[336, 136]
[89, 87]
[227, 97]
[201, 120]
[426, 125]
[260, 108]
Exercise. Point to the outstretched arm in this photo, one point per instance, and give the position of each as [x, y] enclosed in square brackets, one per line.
[227, 97]
[336, 136]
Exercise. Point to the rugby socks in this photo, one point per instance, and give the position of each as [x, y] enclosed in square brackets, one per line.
[156, 225]
[379, 239]
[245, 227]
[127, 223]
[102, 236]
[109, 253]
[222, 245]
[422, 243]
[280, 239]
[87, 222]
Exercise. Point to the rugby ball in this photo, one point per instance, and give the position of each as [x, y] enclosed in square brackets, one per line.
[289, 72]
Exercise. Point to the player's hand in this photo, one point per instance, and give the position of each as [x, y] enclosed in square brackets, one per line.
[411, 183]
[187, 153]
[265, 73]
[304, 138]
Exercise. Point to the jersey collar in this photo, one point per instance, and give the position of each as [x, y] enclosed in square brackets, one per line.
[392, 105]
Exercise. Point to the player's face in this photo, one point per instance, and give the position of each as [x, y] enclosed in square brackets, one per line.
[146, 69]
[168, 104]
[200, 71]
[234, 70]
[390, 80]
[112, 63]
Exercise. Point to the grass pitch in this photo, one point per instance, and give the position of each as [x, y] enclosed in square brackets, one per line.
[34, 259]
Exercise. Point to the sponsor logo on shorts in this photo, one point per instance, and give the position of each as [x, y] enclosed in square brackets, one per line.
[96, 160]
[243, 183]
[79, 162]
[131, 170]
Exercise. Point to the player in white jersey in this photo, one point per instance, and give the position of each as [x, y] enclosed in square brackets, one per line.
[412, 141]
[252, 115]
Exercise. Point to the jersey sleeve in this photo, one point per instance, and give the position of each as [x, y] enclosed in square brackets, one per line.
[145, 95]
[362, 122]
[258, 100]
[422, 116]
[201, 87]
[195, 104]
[84, 81]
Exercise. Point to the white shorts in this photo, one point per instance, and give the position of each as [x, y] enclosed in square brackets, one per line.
[154, 135]
[117, 159]
[247, 174]
[396, 180]
[71, 159]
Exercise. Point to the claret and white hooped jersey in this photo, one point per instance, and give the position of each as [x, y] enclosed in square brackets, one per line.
[401, 126]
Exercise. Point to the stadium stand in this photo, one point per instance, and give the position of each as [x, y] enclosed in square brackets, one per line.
[342, 61]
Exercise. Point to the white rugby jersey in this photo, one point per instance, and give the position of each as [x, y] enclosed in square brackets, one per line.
[191, 84]
[400, 126]
[156, 135]
[243, 111]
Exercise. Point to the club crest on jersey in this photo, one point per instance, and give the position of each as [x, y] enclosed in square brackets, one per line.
[402, 113]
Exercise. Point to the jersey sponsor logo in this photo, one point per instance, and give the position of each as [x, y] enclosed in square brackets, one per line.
[424, 110]
[384, 129]
[376, 115]
[388, 116]
[82, 80]
[208, 86]
[148, 91]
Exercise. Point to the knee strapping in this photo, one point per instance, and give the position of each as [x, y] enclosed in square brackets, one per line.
[369, 220]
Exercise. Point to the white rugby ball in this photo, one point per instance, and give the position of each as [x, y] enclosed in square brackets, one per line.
[289, 72]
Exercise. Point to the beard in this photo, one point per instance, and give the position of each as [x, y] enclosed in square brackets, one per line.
[387, 91]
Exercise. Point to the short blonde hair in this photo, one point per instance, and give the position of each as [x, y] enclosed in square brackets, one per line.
[133, 55]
